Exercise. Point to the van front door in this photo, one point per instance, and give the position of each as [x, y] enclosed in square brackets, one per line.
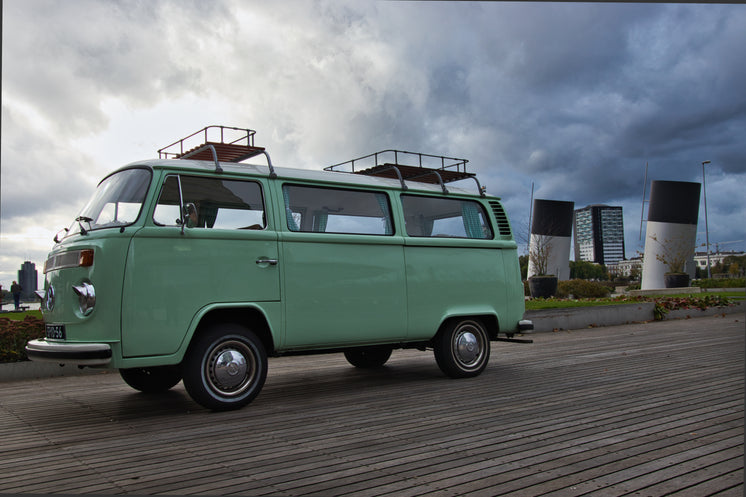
[208, 243]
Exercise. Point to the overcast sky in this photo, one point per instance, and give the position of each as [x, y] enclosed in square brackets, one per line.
[574, 97]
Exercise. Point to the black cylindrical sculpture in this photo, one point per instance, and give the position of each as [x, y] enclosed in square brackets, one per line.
[671, 232]
[551, 234]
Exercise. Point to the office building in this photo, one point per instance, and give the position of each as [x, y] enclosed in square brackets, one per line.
[28, 278]
[598, 231]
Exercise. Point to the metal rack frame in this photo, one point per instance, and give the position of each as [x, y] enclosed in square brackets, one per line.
[450, 169]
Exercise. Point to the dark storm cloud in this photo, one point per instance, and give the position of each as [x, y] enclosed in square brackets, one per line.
[583, 89]
[574, 97]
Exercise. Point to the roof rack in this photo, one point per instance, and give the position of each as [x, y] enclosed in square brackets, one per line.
[216, 143]
[399, 164]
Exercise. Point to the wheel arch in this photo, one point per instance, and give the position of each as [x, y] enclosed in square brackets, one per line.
[488, 319]
[254, 318]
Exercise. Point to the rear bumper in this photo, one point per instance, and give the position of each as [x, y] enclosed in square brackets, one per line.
[84, 354]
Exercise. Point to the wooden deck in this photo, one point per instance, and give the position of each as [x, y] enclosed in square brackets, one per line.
[651, 409]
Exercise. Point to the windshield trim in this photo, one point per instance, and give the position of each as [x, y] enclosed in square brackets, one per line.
[127, 168]
[94, 227]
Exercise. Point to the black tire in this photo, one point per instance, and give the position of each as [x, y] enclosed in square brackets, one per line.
[462, 348]
[152, 380]
[225, 367]
[368, 357]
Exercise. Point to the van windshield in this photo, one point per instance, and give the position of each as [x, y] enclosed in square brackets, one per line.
[116, 202]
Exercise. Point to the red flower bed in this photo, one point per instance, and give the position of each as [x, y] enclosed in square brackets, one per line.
[15, 333]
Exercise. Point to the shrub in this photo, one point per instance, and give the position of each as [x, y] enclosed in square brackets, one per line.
[14, 335]
[582, 289]
[665, 304]
[721, 283]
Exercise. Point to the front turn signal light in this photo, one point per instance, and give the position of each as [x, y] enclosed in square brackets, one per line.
[85, 259]
[72, 258]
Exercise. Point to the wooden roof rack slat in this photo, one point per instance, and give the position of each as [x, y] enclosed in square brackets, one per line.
[216, 143]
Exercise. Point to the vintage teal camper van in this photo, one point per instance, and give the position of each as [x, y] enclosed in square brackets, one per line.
[199, 266]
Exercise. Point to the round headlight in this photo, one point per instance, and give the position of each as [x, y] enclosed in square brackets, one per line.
[86, 297]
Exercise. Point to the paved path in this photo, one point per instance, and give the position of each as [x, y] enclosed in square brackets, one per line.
[646, 409]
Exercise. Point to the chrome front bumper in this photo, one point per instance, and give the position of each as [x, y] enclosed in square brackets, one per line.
[84, 354]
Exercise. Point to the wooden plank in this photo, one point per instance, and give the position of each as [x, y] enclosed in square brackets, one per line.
[652, 408]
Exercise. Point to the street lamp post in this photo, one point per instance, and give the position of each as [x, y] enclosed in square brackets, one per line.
[707, 229]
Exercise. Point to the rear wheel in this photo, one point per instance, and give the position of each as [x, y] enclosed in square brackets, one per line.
[368, 357]
[225, 367]
[151, 380]
[462, 348]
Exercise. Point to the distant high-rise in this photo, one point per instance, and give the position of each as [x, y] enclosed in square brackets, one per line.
[598, 231]
[28, 278]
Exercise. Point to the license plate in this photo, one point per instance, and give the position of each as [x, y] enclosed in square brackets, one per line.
[56, 331]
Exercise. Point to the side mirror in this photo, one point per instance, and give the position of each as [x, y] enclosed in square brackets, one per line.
[190, 210]
[188, 216]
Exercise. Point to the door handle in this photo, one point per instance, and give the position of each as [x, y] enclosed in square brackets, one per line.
[271, 262]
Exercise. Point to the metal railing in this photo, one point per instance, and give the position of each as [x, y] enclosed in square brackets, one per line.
[458, 164]
[246, 135]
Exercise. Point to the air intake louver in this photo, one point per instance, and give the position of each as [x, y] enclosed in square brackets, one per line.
[503, 225]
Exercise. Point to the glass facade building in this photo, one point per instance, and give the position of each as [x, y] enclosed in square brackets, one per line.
[598, 231]
[28, 278]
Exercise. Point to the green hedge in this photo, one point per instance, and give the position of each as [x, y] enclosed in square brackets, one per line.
[15, 333]
[720, 283]
[582, 289]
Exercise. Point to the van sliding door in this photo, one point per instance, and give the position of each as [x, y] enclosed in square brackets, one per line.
[344, 280]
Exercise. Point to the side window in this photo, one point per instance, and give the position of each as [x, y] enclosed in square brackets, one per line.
[211, 203]
[333, 210]
[445, 217]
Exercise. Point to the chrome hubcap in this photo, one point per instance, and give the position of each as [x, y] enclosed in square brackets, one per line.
[468, 346]
[230, 368]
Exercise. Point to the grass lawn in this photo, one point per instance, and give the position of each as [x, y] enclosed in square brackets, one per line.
[20, 316]
[537, 304]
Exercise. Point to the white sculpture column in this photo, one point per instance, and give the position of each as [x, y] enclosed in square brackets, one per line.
[551, 229]
[671, 231]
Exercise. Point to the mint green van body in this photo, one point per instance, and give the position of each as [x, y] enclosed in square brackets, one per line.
[276, 262]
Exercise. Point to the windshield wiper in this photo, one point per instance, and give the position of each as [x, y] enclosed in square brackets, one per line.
[80, 220]
[60, 235]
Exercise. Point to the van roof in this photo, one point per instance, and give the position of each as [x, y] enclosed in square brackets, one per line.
[339, 177]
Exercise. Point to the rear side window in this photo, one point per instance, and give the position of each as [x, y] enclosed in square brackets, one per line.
[210, 203]
[445, 217]
[335, 210]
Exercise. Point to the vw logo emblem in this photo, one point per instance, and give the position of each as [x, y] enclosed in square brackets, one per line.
[49, 299]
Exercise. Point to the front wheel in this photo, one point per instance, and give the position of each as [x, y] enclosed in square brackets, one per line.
[462, 348]
[225, 367]
[151, 380]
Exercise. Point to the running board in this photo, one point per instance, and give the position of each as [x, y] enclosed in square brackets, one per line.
[513, 340]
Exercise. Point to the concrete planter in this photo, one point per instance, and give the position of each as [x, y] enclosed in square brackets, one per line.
[584, 317]
[676, 280]
[542, 286]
